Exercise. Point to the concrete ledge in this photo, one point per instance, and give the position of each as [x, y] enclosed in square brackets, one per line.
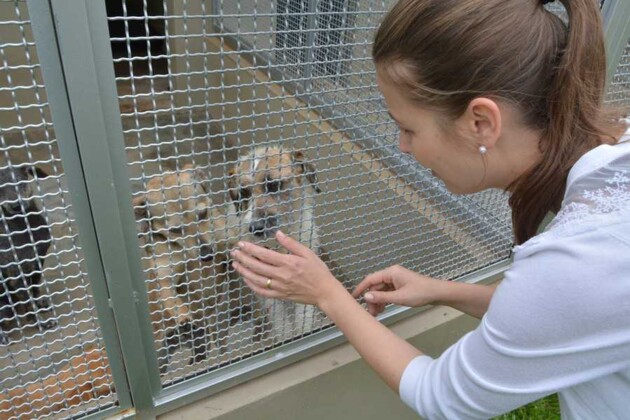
[335, 384]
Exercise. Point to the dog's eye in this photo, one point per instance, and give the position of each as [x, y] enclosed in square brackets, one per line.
[245, 194]
[203, 214]
[272, 186]
[177, 229]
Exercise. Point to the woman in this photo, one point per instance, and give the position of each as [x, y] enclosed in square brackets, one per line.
[498, 94]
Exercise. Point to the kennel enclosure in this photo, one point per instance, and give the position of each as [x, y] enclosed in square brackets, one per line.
[105, 96]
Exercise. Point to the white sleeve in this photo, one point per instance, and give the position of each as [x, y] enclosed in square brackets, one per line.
[559, 318]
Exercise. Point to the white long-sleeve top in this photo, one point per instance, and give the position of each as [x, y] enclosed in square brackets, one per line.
[559, 321]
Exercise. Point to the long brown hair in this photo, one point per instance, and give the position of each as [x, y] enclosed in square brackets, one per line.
[448, 52]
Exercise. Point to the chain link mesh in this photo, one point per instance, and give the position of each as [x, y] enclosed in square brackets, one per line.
[52, 362]
[210, 90]
[235, 114]
[619, 90]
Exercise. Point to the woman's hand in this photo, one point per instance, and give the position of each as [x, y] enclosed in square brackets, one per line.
[301, 276]
[398, 285]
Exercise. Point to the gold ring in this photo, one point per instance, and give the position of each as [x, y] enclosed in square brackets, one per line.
[268, 285]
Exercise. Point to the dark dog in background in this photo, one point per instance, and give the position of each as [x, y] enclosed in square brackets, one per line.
[24, 241]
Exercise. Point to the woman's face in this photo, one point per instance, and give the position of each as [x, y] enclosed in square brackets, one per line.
[452, 157]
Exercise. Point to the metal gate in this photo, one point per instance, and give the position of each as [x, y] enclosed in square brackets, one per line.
[129, 135]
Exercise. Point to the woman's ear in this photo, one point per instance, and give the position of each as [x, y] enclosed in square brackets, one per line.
[482, 119]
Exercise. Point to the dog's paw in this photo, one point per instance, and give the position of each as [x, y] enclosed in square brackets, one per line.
[192, 336]
[4, 339]
[43, 303]
[48, 324]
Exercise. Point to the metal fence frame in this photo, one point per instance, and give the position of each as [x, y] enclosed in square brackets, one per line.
[76, 60]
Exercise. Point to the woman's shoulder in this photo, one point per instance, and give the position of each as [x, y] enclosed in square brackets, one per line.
[597, 197]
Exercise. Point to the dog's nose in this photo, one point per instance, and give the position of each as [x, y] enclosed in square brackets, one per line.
[206, 252]
[257, 227]
[264, 226]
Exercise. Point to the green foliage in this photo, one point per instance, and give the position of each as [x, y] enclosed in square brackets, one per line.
[546, 408]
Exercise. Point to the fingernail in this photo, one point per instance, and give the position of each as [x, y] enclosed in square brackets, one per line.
[241, 244]
[368, 296]
[280, 234]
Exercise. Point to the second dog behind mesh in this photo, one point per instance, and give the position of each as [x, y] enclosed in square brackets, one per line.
[24, 241]
[183, 240]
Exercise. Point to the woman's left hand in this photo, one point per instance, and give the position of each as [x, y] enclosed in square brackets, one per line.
[300, 276]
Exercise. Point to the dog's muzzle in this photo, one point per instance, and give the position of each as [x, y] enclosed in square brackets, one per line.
[264, 227]
[206, 253]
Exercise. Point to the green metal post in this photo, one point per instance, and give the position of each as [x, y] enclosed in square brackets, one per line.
[52, 72]
[616, 15]
[83, 43]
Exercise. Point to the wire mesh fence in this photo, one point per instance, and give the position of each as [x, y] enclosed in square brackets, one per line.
[239, 118]
[52, 360]
[619, 90]
[244, 117]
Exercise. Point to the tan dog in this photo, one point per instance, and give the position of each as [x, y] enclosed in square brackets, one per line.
[274, 188]
[81, 379]
[184, 243]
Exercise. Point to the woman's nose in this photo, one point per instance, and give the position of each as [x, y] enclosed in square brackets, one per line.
[404, 144]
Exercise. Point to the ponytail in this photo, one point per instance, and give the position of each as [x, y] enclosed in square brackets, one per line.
[576, 121]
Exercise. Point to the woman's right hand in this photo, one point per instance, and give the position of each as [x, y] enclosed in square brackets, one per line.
[400, 286]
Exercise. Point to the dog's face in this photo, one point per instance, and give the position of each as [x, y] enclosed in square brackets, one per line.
[177, 207]
[272, 189]
[17, 189]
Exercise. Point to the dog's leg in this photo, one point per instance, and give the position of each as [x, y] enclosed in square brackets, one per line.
[42, 236]
[193, 288]
[219, 304]
[174, 312]
[163, 355]
[262, 326]
[42, 303]
[162, 300]
[6, 312]
[254, 310]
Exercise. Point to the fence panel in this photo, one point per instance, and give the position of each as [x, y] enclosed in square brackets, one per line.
[242, 117]
[184, 127]
[52, 356]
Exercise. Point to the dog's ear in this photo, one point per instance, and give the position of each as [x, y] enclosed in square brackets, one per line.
[306, 168]
[201, 176]
[234, 190]
[34, 170]
[141, 212]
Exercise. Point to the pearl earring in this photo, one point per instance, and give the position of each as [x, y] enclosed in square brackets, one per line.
[483, 150]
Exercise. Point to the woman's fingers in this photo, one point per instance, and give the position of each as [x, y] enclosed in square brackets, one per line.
[262, 291]
[292, 245]
[370, 282]
[257, 279]
[263, 254]
[375, 309]
[254, 264]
